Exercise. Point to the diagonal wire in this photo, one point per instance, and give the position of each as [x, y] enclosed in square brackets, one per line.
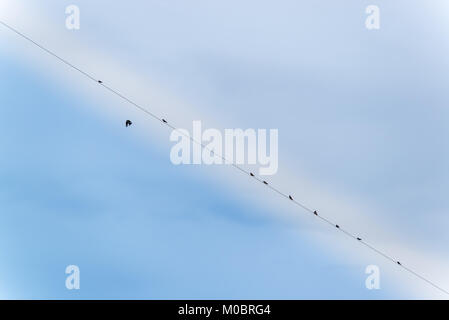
[276, 190]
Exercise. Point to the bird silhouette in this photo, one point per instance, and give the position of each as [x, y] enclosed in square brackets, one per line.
[290, 197]
[315, 213]
[128, 123]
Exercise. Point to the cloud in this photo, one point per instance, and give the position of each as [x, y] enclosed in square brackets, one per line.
[348, 210]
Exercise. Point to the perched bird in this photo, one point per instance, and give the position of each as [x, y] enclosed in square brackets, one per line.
[315, 213]
[399, 263]
[251, 174]
[359, 239]
[265, 182]
[337, 226]
[164, 121]
[290, 197]
[128, 123]
[100, 82]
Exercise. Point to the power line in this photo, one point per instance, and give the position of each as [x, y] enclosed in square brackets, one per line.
[276, 190]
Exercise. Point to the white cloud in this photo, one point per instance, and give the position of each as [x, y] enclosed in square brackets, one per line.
[345, 209]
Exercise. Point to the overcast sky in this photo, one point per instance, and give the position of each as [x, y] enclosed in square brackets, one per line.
[362, 119]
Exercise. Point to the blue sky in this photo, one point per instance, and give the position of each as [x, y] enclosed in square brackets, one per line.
[362, 118]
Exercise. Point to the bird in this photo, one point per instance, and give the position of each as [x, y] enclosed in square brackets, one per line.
[337, 226]
[290, 197]
[399, 263]
[128, 123]
[315, 213]
[100, 82]
[251, 174]
[359, 239]
[164, 121]
[265, 182]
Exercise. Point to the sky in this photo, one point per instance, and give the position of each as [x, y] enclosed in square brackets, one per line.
[362, 120]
